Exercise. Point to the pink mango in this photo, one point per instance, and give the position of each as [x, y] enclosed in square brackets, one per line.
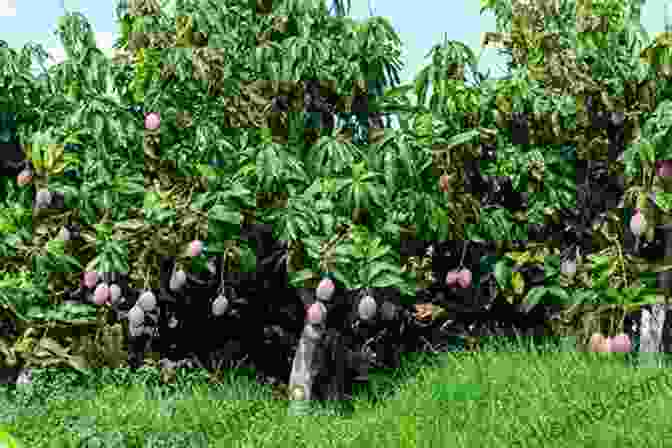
[620, 343]
[152, 121]
[664, 168]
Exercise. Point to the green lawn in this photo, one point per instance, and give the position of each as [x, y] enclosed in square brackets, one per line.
[498, 397]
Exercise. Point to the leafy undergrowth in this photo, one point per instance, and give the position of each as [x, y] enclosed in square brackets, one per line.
[504, 395]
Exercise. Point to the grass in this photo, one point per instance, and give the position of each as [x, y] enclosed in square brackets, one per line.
[505, 395]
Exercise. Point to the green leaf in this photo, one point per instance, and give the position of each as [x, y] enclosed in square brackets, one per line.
[338, 275]
[581, 296]
[663, 200]
[558, 292]
[603, 279]
[378, 269]
[224, 214]
[119, 265]
[463, 138]
[599, 261]
[386, 281]
[327, 222]
[502, 273]
[614, 295]
[532, 298]
[56, 247]
[71, 263]
[35, 312]
[377, 252]
[77, 309]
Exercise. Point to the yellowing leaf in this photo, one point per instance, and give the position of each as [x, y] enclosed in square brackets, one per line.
[7, 441]
[519, 257]
[39, 166]
[509, 298]
[8, 352]
[438, 313]
[49, 362]
[642, 200]
[649, 233]
[77, 362]
[129, 225]
[57, 168]
[53, 346]
[25, 345]
[503, 103]
[54, 156]
[517, 282]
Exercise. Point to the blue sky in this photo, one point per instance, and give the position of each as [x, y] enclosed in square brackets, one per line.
[419, 23]
[419, 30]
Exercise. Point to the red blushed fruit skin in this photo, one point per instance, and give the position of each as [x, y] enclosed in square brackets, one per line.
[451, 278]
[325, 290]
[92, 278]
[314, 313]
[599, 343]
[620, 343]
[152, 121]
[444, 183]
[595, 341]
[101, 294]
[24, 179]
[637, 222]
[664, 168]
[195, 248]
[464, 278]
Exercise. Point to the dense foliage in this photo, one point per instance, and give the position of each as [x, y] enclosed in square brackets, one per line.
[230, 173]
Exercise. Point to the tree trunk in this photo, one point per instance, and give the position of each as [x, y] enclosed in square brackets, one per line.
[653, 321]
[651, 335]
[305, 368]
